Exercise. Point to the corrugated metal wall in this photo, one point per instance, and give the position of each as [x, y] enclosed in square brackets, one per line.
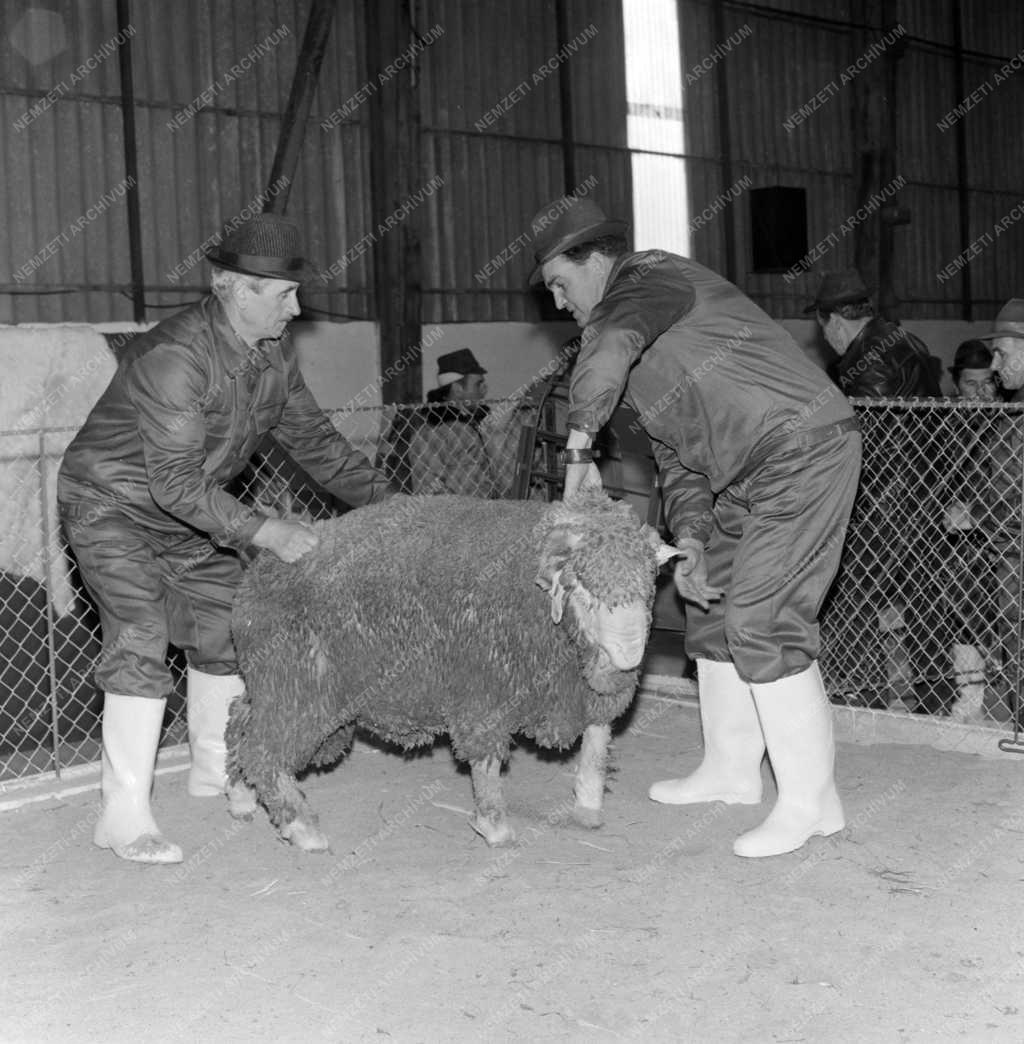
[494, 123]
[795, 50]
[193, 177]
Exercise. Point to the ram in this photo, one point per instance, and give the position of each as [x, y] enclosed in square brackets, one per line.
[428, 615]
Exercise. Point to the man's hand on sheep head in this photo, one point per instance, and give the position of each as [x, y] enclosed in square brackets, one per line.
[286, 538]
[691, 574]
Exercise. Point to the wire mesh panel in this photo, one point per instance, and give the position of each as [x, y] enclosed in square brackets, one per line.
[444, 447]
[925, 614]
[50, 637]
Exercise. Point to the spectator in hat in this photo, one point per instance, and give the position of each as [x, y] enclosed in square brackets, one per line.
[961, 604]
[1007, 339]
[448, 452]
[759, 456]
[972, 373]
[877, 358]
[143, 502]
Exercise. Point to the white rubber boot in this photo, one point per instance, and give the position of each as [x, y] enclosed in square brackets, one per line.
[131, 733]
[209, 698]
[796, 719]
[733, 744]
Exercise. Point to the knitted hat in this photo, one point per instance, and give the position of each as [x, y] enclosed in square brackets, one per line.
[566, 223]
[838, 288]
[267, 245]
[456, 365]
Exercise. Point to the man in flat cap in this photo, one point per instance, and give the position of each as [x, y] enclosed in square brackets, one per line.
[877, 358]
[154, 532]
[448, 452]
[759, 456]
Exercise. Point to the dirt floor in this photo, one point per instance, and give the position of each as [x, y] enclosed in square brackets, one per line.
[908, 928]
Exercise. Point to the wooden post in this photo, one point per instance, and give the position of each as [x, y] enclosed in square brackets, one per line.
[724, 142]
[962, 181]
[131, 160]
[396, 175]
[565, 101]
[300, 99]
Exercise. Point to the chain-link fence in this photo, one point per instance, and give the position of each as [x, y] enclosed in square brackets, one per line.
[49, 631]
[925, 615]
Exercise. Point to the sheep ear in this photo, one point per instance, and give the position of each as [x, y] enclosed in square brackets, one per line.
[558, 595]
[665, 553]
[662, 552]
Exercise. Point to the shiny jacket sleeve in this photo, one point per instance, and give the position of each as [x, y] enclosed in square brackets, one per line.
[306, 433]
[167, 387]
[686, 496]
[638, 306]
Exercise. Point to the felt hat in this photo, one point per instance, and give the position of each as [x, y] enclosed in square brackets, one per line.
[971, 355]
[266, 245]
[1009, 322]
[568, 222]
[455, 365]
[839, 288]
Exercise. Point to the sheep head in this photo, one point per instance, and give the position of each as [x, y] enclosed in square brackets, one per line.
[598, 564]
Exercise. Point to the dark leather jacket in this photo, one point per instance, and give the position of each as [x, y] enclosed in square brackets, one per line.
[716, 382]
[188, 405]
[885, 361]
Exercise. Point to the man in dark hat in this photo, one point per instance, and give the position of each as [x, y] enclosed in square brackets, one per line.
[759, 456]
[877, 358]
[972, 372]
[448, 452]
[143, 503]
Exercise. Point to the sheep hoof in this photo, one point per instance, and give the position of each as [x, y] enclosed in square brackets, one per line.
[306, 836]
[241, 801]
[495, 832]
[591, 818]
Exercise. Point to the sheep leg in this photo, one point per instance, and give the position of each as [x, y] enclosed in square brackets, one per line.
[241, 800]
[490, 821]
[296, 821]
[589, 788]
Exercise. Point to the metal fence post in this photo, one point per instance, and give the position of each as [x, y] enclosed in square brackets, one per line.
[51, 646]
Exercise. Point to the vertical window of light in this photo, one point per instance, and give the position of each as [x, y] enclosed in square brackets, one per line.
[655, 125]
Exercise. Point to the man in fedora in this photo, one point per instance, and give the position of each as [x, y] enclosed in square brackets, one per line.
[155, 534]
[877, 358]
[1007, 339]
[759, 457]
[447, 450]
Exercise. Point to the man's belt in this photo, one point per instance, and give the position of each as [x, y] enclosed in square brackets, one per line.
[813, 436]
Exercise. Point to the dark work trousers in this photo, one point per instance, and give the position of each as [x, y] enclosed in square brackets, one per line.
[151, 588]
[775, 549]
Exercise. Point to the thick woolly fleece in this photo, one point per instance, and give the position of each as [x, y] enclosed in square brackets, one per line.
[422, 615]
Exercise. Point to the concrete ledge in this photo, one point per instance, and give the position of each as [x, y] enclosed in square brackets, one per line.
[79, 779]
[862, 725]
[852, 725]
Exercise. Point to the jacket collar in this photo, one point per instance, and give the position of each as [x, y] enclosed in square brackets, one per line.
[237, 356]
